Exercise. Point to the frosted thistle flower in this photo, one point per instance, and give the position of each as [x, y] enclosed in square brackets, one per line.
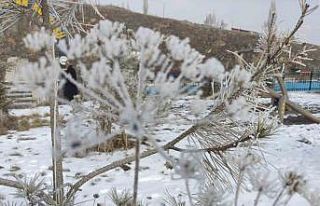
[246, 160]
[262, 182]
[211, 195]
[147, 38]
[76, 48]
[78, 136]
[239, 109]
[312, 196]
[35, 76]
[188, 166]
[169, 89]
[133, 122]
[179, 49]
[108, 29]
[39, 40]
[213, 69]
[100, 56]
[242, 77]
[293, 182]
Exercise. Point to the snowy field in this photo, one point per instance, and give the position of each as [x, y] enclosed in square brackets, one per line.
[291, 148]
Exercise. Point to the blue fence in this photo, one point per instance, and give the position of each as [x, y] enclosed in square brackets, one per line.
[313, 85]
[302, 82]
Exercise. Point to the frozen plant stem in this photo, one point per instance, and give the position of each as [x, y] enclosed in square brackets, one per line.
[256, 201]
[238, 188]
[279, 196]
[136, 172]
[287, 200]
[57, 169]
[188, 192]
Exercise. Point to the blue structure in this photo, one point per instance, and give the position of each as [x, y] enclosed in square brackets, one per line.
[306, 85]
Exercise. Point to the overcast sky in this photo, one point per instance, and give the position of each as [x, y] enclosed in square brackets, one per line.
[245, 14]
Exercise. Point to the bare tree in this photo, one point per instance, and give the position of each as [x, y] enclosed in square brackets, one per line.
[271, 46]
[211, 20]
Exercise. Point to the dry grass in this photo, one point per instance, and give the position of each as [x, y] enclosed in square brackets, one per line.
[8, 123]
[22, 123]
[119, 142]
[39, 122]
[34, 121]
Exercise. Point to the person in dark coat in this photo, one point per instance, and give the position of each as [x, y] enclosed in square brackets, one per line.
[69, 89]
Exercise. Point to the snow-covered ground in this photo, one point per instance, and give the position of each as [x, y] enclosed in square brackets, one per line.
[294, 147]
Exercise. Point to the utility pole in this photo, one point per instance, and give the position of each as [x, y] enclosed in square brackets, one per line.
[145, 7]
[163, 9]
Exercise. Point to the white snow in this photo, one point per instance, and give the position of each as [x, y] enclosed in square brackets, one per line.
[292, 148]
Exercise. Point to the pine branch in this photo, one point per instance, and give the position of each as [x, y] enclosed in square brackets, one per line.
[169, 146]
[126, 160]
[244, 138]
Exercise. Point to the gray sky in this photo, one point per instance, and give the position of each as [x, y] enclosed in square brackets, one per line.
[245, 14]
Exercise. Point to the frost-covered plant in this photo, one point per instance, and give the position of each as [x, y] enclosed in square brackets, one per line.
[8, 203]
[275, 56]
[120, 199]
[210, 195]
[279, 191]
[106, 84]
[32, 190]
[258, 181]
[133, 108]
[170, 200]
[137, 99]
[123, 198]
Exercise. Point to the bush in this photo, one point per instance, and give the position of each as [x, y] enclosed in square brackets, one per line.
[3, 100]
[7, 123]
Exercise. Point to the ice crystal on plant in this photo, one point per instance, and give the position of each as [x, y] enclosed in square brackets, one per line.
[188, 166]
[147, 38]
[213, 68]
[241, 76]
[239, 109]
[210, 195]
[262, 182]
[179, 48]
[39, 40]
[100, 55]
[35, 75]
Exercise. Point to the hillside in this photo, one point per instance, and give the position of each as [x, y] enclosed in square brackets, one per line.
[207, 40]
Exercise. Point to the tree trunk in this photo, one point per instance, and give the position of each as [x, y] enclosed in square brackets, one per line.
[282, 108]
[283, 99]
[296, 108]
